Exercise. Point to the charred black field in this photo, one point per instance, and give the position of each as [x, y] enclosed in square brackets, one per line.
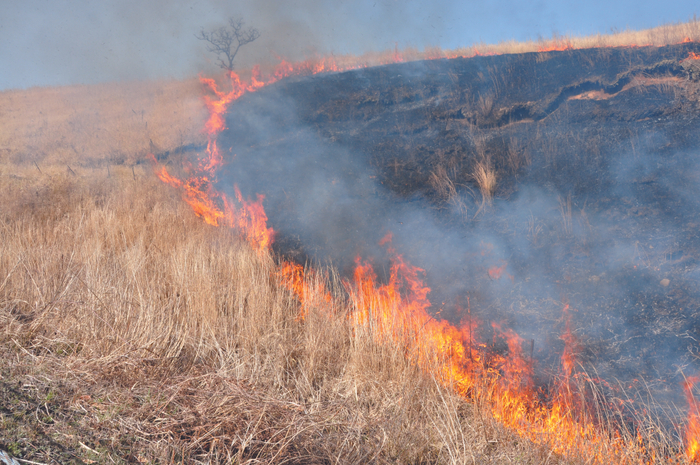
[520, 183]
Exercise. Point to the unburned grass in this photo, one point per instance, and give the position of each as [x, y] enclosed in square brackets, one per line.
[485, 177]
[115, 123]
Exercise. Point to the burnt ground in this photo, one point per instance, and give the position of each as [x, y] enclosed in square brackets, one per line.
[595, 153]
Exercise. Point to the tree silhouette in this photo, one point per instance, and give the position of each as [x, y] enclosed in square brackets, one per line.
[226, 41]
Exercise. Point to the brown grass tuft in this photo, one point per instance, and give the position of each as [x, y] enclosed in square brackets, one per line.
[485, 177]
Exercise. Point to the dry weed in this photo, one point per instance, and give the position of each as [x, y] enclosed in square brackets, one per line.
[485, 177]
[446, 190]
[566, 214]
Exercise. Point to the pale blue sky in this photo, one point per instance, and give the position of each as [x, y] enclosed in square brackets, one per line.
[57, 42]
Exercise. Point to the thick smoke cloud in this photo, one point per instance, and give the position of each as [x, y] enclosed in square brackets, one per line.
[67, 42]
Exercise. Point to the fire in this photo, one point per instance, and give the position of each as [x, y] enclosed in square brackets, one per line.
[557, 44]
[397, 311]
[568, 357]
[198, 189]
[308, 288]
[495, 272]
[692, 433]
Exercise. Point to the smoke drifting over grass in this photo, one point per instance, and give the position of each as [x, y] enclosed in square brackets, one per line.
[593, 216]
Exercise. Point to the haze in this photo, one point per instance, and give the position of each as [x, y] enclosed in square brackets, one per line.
[46, 43]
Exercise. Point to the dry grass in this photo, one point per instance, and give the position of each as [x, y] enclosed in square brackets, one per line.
[566, 216]
[446, 190]
[666, 34]
[172, 340]
[113, 123]
[181, 344]
[485, 177]
[662, 35]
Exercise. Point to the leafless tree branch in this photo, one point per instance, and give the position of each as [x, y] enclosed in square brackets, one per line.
[226, 41]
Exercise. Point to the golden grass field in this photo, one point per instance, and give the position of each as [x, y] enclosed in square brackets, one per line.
[133, 332]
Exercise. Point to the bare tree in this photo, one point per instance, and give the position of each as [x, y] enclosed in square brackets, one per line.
[226, 41]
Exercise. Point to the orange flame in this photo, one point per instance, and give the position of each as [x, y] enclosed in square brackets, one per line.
[557, 44]
[568, 357]
[397, 312]
[692, 56]
[692, 433]
[301, 283]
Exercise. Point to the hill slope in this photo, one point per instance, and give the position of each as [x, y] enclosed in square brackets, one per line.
[132, 331]
[591, 157]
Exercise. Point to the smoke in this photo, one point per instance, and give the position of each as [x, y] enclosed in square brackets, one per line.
[69, 42]
[600, 217]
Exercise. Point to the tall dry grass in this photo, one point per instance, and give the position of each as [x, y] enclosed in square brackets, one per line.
[665, 34]
[180, 335]
[115, 123]
[184, 344]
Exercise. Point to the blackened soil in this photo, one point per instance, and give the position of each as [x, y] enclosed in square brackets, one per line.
[596, 158]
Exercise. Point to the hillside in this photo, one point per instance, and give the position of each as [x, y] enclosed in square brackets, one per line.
[531, 219]
[91, 125]
[593, 159]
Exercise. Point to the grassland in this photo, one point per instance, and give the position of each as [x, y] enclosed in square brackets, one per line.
[130, 331]
[99, 125]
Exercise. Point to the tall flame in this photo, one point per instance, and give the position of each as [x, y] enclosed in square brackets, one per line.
[692, 433]
[397, 312]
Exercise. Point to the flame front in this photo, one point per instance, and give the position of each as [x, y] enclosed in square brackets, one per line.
[692, 432]
[397, 312]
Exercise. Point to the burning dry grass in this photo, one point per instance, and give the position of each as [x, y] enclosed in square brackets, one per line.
[121, 123]
[658, 36]
[182, 344]
[665, 34]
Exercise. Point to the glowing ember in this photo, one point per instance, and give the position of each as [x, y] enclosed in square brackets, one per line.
[557, 44]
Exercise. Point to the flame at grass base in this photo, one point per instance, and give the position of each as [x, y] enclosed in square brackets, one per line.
[397, 312]
[692, 433]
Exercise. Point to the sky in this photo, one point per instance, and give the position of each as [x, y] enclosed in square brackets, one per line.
[62, 42]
